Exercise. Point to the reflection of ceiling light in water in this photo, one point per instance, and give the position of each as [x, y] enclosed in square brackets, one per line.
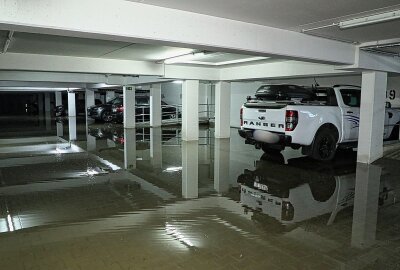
[173, 169]
[10, 223]
[172, 231]
[91, 172]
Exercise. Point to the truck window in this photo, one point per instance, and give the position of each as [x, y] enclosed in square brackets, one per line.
[351, 97]
[326, 95]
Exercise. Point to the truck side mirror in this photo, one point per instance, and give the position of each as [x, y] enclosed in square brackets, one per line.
[388, 105]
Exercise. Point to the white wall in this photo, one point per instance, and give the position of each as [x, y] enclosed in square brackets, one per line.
[171, 93]
[239, 92]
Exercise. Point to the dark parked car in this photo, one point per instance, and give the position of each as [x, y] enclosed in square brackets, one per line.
[62, 110]
[143, 110]
[103, 111]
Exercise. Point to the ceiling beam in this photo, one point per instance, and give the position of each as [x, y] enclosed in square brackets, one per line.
[372, 61]
[135, 22]
[279, 70]
[55, 63]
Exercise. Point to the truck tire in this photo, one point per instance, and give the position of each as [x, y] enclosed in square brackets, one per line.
[324, 145]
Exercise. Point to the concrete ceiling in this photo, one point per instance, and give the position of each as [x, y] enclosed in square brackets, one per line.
[296, 14]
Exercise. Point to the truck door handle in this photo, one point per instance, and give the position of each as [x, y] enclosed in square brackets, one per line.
[349, 112]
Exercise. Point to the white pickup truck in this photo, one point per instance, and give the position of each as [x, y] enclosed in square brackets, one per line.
[317, 119]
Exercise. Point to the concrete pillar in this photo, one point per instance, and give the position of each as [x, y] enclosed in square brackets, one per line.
[190, 110]
[89, 98]
[130, 148]
[129, 107]
[156, 147]
[72, 128]
[110, 95]
[190, 170]
[222, 110]
[372, 116]
[71, 105]
[221, 165]
[155, 105]
[366, 200]
[47, 104]
[58, 98]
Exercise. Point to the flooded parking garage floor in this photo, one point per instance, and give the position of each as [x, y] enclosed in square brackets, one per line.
[66, 202]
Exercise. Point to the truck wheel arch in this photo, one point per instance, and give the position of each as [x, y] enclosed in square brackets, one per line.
[328, 126]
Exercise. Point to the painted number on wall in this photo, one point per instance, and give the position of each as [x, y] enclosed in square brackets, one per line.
[391, 94]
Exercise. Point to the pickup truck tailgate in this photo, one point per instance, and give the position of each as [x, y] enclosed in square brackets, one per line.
[267, 117]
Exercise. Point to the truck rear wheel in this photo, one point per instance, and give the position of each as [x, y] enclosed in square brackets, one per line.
[324, 146]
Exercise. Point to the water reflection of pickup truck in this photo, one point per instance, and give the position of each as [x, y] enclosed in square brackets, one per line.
[301, 190]
[318, 120]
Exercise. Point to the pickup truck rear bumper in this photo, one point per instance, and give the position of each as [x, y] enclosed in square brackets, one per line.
[248, 135]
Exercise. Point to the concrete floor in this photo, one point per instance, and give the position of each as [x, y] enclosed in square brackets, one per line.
[63, 207]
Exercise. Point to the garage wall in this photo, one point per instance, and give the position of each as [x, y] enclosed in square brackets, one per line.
[172, 94]
[239, 92]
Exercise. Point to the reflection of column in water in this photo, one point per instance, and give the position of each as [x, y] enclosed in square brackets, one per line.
[190, 169]
[60, 129]
[130, 148]
[365, 205]
[156, 147]
[72, 128]
[47, 110]
[221, 165]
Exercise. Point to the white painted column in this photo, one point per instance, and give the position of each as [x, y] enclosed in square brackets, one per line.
[58, 98]
[72, 128]
[221, 165]
[110, 95]
[190, 170]
[130, 148]
[366, 200]
[47, 102]
[71, 105]
[155, 105]
[89, 98]
[222, 109]
[372, 116]
[129, 107]
[190, 110]
[156, 147]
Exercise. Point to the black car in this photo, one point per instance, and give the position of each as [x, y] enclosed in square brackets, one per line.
[142, 110]
[103, 111]
[62, 110]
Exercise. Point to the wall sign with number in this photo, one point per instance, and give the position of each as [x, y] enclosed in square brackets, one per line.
[391, 94]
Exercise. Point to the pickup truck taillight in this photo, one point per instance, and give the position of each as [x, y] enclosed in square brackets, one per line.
[241, 116]
[291, 120]
[120, 109]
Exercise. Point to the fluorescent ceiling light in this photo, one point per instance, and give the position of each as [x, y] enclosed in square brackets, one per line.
[177, 82]
[183, 58]
[377, 18]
